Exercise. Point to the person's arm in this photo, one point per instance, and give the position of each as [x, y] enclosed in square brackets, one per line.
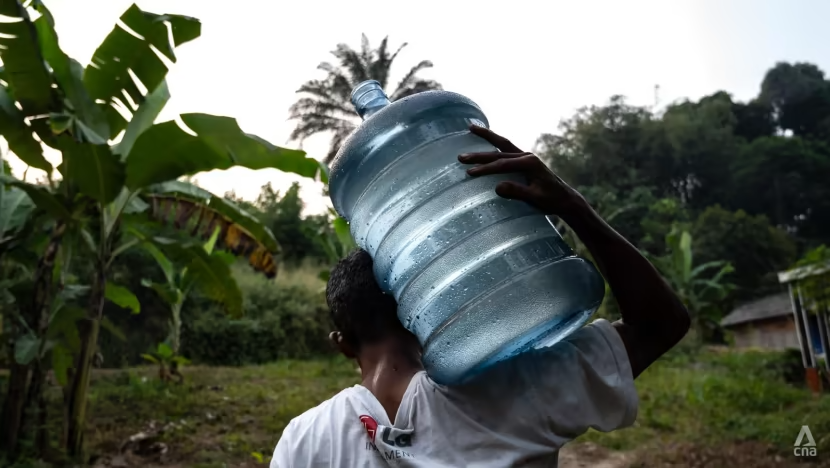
[653, 318]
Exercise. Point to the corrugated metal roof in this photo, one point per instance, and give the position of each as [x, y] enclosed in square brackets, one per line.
[803, 272]
[765, 308]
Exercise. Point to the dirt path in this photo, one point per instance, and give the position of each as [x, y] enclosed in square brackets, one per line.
[586, 455]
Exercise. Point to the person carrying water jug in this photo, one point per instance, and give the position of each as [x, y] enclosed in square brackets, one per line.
[518, 412]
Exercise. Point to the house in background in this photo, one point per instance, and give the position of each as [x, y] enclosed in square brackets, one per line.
[767, 323]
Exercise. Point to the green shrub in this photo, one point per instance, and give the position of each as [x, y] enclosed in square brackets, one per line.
[282, 320]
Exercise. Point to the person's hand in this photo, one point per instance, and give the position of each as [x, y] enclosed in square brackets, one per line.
[543, 189]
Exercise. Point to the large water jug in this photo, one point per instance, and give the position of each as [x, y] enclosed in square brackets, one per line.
[478, 279]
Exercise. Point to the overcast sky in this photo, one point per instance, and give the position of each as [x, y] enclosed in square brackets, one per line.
[527, 63]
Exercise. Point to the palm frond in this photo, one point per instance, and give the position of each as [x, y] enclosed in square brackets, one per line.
[324, 104]
[351, 61]
[309, 105]
[411, 82]
[379, 68]
[366, 51]
[418, 87]
[395, 55]
[337, 81]
[409, 79]
[311, 124]
[319, 89]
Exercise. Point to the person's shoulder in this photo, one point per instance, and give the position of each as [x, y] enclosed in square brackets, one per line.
[320, 415]
[597, 330]
[599, 340]
[596, 343]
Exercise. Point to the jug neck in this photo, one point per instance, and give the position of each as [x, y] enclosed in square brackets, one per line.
[368, 97]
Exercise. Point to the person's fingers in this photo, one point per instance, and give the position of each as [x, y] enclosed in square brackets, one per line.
[494, 139]
[484, 158]
[514, 191]
[526, 164]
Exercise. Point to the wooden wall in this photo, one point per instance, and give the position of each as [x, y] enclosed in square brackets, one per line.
[778, 333]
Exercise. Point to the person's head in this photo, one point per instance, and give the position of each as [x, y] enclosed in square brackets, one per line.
[362, 313]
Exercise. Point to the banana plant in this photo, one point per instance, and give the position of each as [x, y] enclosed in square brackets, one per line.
[48, 98]
[699, 289]
[168, 362]
[337, 242]
[18, 237]
[206, 266]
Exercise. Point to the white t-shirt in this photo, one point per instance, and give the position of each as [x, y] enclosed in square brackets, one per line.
[519, 413]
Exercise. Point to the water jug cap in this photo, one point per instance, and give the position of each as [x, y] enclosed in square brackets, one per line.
[368, 97]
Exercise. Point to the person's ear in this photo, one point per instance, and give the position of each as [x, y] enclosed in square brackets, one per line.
[337, 338]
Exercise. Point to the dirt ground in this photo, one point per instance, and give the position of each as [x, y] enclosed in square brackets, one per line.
[593, 456]
[588, 455]
[741, 455]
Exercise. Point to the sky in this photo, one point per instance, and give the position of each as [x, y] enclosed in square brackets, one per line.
[527, 63]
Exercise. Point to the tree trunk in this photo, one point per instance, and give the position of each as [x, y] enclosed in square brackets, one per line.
[176, 332]
[35, 420]
[22, 408]
[13, 408]
[67, 395]
[83, 366]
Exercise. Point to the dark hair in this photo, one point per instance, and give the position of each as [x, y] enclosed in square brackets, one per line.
[360, 310]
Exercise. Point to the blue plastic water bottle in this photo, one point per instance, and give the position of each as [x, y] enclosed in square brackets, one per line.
[478, 279]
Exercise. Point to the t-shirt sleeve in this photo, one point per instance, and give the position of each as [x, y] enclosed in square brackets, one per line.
[584, 381]
[282, 453]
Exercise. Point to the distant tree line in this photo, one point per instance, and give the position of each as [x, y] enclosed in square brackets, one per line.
[748, 180]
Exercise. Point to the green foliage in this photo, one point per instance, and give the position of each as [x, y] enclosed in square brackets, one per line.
[97, 172]
[23, 62]
[784, 178]
[699, 290]
[63, 328]
[751, 244]
[709, 398]
[817, 256]
[212, 276]
[216, 413]
[337, 244]
[61, 362]
[26, 348]
[15, 210]
[97, 209]
[660, 218]
[167, 360]
[730, 397]
[123, 297]
[281, 321]
[122, 52]
[814, 285]
[711, 151]
[18, 135]
[165, 152]
[302, 237]
[800, 95]
[43, 199]
[192, 209]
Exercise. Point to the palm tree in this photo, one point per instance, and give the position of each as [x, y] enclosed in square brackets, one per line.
[325, 104]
